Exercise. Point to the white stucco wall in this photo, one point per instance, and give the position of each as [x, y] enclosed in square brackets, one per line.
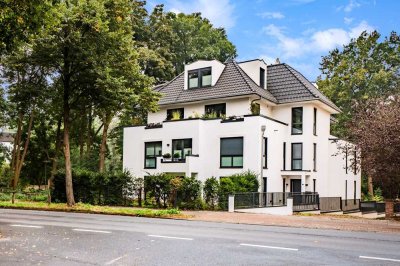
[252, 69]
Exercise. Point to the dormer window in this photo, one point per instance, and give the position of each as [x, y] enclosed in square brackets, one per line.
[199, 78]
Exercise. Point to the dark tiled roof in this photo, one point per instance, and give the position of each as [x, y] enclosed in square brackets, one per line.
[232, 82]
[288, 85]
[6, 137]
[284, 85]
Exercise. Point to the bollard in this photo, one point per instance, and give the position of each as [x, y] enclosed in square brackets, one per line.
[231, 203]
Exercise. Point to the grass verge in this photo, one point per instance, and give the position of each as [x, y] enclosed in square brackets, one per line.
[87, 208]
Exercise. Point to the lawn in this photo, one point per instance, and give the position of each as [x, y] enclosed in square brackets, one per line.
[87, 208]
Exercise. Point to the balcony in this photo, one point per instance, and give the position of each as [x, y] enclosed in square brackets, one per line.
[184, 166]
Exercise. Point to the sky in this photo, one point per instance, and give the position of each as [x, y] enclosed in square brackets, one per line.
[298, 32]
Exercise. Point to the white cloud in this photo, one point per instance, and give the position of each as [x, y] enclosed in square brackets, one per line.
[351, 5]
[220, 12]
[272, 15]
[315, 43]
[348, 20]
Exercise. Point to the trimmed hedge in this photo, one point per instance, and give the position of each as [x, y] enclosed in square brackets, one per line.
[94, 188]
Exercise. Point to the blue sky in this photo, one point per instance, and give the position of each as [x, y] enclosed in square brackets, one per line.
[298, 32]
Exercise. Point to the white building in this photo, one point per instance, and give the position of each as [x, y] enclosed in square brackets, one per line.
[206, 119]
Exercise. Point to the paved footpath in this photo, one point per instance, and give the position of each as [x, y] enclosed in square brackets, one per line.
[313, 221]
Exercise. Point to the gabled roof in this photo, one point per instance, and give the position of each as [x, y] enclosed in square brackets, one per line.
[288, 85]
[284, 85]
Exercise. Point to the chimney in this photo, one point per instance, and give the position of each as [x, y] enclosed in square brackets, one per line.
[277, 61]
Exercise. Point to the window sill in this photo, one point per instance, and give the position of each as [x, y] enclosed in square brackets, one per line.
[150, 168]
[231, 167]
[294, 134]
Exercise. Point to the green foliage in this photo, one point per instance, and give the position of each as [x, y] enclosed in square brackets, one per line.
[364, 68]
[255, 108]
[211, 189]
[189, 194]
[157, 187]
[242, 182]
[176, 115]
[95, 188]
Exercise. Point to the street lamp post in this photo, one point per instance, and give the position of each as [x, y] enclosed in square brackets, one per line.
[262, 185]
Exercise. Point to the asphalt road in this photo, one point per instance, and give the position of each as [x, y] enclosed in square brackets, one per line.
[55, 238]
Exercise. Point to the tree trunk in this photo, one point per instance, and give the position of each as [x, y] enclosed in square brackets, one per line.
[19, 160]
[50, 181]
[370, 186]
[103, 145]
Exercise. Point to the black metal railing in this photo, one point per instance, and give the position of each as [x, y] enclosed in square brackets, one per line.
[260, 200]
[330, 204]
[372, 206]
[305, 201]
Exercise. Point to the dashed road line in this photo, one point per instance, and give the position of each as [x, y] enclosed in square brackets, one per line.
[171, 237]
[377, 258]
[26, 226]
[271, 247]
[89, 230]
[114, 260]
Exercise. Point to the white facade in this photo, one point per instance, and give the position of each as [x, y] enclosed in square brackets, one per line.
[328, 177]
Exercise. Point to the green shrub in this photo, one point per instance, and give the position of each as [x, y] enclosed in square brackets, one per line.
[189, 194]
[211, 189]
[157, 187]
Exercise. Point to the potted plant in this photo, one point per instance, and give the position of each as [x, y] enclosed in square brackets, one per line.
[176, 156]
[167, 156]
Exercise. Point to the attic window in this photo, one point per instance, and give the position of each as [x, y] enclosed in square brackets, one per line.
[262, 77]
[199, 78]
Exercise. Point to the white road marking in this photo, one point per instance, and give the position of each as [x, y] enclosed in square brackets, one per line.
[171, 237]
[114, 260]
[93, 231]
[27, 226]
[377, 258]
[271, 247]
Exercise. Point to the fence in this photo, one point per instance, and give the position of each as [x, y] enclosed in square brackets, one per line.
[330, 204]
[260, 200]
[350, 205]
[305, 201]
[372, 206]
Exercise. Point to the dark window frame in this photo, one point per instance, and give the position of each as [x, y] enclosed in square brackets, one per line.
[355, 163]
[297, 159]
[199, 77]
[294, 109]
[265, 153]
[345, 196]
[170, 111]
[284, 156]
[315, 122]
[314, 185]
[262, 77]
[152, 156]
[183, 155]
[208, 107]
[231, 155]
[314, 157]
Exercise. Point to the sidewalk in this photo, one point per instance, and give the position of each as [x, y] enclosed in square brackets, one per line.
[314, 221]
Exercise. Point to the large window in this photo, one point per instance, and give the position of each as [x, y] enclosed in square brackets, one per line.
[231, 153]
[265, 152]
[315, 122]
[297, 120]
[216, 109]
[181, 147]
[262, 77]
[175, 114]
[199, 78]
[152, 150]
[297, 156]
[284, 156]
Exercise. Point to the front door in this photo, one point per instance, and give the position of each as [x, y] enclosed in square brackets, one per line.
[295, 185]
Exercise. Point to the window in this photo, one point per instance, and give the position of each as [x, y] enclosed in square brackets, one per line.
[217, 109]
[152, 150]
[284, 156]
[347, 153]
[314, 185]
[182, 147]
[315, 157]
[175, 114]
[297, 156]
[355, 192]
[297, 121]
[315, 122]
[265, 152]
[262, 77]
[231, 153]
[199, 78]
